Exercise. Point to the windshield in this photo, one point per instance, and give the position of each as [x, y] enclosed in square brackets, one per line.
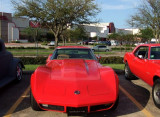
[155, 53]
[73, 54]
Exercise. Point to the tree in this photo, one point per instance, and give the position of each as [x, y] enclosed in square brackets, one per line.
[57, 15]
[148, 15]
[146, 34]
[113, 36]
[116, 36]
[79, 33]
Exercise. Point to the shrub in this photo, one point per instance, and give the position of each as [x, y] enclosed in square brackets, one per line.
[16, 41]
[42, 60]
[24, 47]
[33, 60]
[111, 60]
[52, 48]
[118, 48]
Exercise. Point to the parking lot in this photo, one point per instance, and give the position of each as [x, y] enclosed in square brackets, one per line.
[135, 101]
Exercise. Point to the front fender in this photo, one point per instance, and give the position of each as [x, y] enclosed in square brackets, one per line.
[111, 79]
[38, 81]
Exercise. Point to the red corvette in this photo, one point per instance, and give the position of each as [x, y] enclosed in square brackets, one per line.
[144, 63]
[73, 81]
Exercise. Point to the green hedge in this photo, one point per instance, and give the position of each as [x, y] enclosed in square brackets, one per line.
[33, 60]
[42, 60]
[111, 60]
[118, 48]
[24, 47]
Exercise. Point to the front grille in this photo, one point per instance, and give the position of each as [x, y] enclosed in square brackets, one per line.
[100, 107]
[77, 111]
[53, 107]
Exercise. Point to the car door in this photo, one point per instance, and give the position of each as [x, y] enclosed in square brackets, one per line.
[140, 62]
[102, 48]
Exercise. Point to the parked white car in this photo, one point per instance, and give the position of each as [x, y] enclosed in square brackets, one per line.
[52, 43]
[114, 43]
[92, 42]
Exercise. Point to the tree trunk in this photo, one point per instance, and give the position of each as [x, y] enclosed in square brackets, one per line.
[56, 41]
[63, 40]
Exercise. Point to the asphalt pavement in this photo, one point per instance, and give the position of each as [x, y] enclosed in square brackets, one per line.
[135, 101]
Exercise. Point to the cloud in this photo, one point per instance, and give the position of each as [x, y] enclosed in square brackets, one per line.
[115, 7]
[134, 3]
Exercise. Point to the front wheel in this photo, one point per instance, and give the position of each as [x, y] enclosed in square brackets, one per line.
[116, 104]
[127, 72]
[19, 72]
[33, 102]
[156, 93]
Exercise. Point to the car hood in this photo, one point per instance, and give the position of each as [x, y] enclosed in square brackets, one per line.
[74, 69]
[66, 77]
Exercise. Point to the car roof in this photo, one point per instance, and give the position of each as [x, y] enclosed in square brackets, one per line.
[150, 45]
[67, 47]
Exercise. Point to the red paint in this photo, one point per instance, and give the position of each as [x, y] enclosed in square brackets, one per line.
[146, 69]
[56, 82]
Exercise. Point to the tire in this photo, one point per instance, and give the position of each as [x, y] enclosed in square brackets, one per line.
[156, 93]
[116, 104]
[19, 72]
[107, 50]
[127, 72]
[34, 104]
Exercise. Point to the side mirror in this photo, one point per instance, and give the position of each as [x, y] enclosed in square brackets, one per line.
[140, 56]
[49, 58]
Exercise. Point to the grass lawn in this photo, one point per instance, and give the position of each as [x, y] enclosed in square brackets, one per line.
[110, 52]
[43, 52]
[114, 66]
[30, 52]
[30, 67]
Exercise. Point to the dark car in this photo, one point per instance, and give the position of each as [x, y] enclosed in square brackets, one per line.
[85, 42]
[108, 43]
[10, 67]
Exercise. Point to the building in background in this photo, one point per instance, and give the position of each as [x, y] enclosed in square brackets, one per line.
[10, 27]
[100, 30]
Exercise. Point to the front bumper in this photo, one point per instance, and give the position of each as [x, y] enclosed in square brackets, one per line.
[77, 110]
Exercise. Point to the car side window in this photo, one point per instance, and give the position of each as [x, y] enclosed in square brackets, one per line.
[102, 46]
[142, 52]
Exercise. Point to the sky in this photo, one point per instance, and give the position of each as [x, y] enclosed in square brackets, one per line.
[116, 11]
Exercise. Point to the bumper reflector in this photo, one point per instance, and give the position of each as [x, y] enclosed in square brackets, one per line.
[52, 107]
